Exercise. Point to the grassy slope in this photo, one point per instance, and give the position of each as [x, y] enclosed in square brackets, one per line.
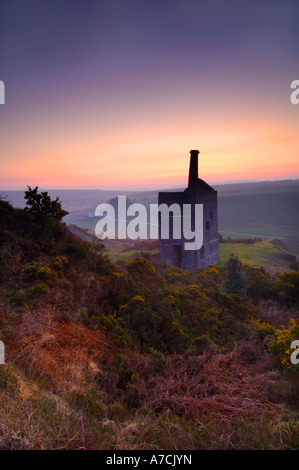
[267, 253]
[273, 255]
[76, 379]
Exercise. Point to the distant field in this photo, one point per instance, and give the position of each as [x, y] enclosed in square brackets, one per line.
[257, 254]
[273, 255]
[270, 254]
[128, 249]
[264, 212]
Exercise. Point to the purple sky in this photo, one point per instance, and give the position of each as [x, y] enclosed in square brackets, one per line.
[83, 76]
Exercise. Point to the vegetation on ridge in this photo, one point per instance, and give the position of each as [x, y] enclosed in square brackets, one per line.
[135, 354]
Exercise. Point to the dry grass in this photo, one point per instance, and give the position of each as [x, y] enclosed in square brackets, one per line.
[57, 353]
[213, 401]
[222, 386]
[271, 312]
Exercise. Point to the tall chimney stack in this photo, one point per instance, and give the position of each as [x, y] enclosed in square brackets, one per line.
[193, 169]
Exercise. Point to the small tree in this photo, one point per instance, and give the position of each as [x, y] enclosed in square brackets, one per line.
[41, 206]
[233, 277]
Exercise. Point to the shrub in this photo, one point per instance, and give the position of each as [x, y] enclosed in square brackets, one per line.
[37, 270]
[201, 343]
[40, 205]
[233, 277]
[259, 284]
[280, 346]
[287, 285]
[15, 297]
[59, 262]
[115, 328]
[88, 401]
[38, 289]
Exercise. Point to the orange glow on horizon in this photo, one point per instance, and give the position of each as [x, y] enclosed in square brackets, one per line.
[236, 150]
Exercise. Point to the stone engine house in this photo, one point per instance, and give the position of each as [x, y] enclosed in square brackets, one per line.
[172, 250]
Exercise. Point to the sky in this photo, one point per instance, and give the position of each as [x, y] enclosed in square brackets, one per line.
[115, 93]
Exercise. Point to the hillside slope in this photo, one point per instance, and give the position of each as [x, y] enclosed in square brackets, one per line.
[272, 254]
[139, 355]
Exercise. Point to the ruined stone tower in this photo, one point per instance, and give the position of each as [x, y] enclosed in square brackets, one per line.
[172, 250]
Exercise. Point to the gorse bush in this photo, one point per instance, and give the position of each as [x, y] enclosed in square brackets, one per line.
[115, 328]
[38, 289]
[280, 346]
[278, 343]
[37, 270]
